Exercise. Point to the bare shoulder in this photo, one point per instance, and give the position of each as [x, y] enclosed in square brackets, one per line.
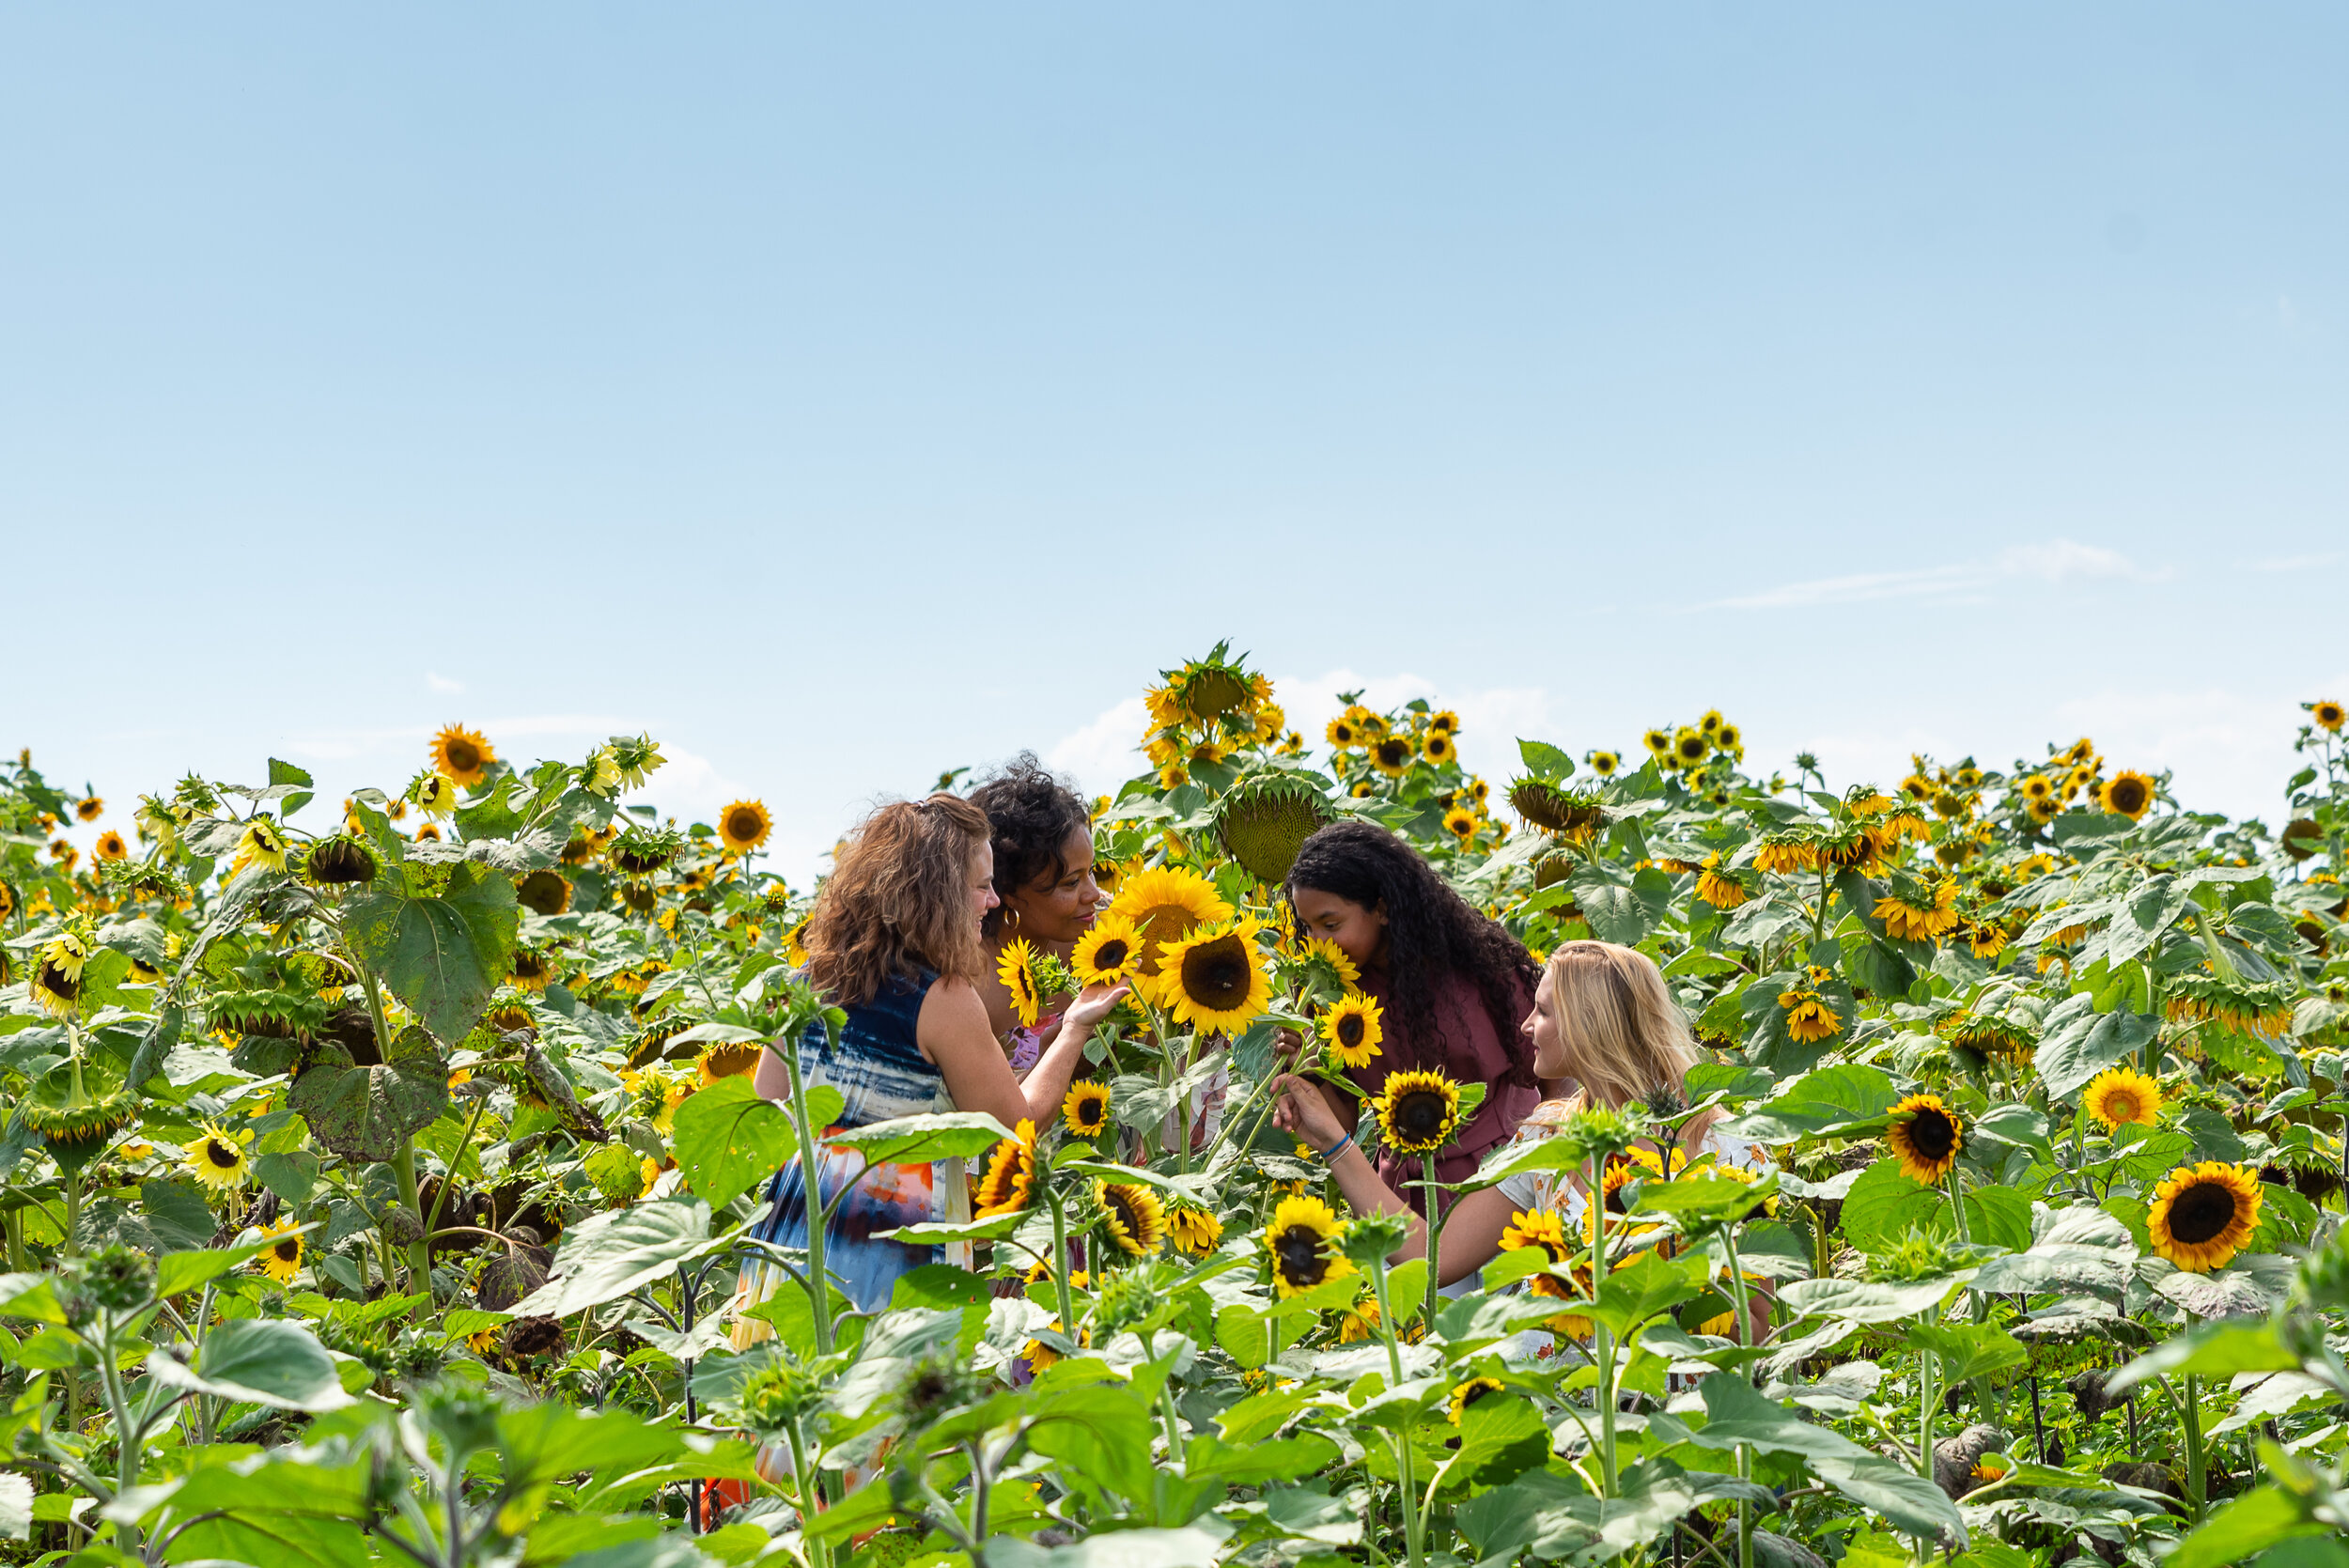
[951, 1003]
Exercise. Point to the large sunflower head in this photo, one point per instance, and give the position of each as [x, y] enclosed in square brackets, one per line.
[1264, 822]
[2129, 795]
[1106, 955]
[1132, 1216]
[1418, 1112]
[1215, 981]
[282, 1260]
[216, 1158]
[1086, 1110]
[2121, 1095]
[1009, 1180]
[2203, 1213]
[545, 892]
[1016, 968]
[76, 1110]
[1165, 904]
[743, 826]
[1303, 1241]
[1926, 1135]
[1351, 1029]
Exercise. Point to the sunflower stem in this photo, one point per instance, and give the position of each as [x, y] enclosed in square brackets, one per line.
[1602, 1339]
[810, 1193]
[1060, 1257]
[1436, 1217]
[2197, 1477]
[1385, 1320]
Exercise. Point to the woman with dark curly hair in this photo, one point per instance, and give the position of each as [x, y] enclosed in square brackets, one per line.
[1454, 985]
[1043, 842]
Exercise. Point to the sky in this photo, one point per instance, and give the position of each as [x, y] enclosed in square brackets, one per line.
[845, 394]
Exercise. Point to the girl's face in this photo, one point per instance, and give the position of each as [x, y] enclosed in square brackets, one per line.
[1057, 908]
[1358, 932]
[1541, 1026]
[983, 881]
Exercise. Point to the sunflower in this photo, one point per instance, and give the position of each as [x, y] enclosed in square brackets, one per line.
[1214, 981]
[2329, 715]
[1717, 888]
[262, 845]
[1910, 918]
[1009, 1180]
[1603, 763]
[1659, 743]
[1165, 904]
[1105, 954]
[1986, 938]
[1372, 725]
[2129, 795]
[1193, 1230]
[1087, 1108]
[1014, 970]
[1541, 1227]
[1418, 1111]
[1439, 747]
[1689, 746]
[1925, 1135]
[1351, 1029]
[1809, 1019]
[2121, 1095]
[1109, 877]
[1460, 823]
[1392, 755]
[462, 756]
[1299, 1239]
[1726, 739]
[1133, 1216]
[1358, 1322]
[57, 981]
[2203, 1213]
[1469, 1392]
[110, 846]
[530, 971]
[743, 826]
[434, 794]
[216, 1158]
[1784, 855]
[728, 1059]
[1341, 732]
[282, 1261]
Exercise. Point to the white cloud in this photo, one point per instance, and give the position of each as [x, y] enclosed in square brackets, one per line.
[1106, 751]
[2057, 561]
[2292, 562]
[441, 683]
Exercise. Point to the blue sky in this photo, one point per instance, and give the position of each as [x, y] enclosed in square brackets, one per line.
[846, 393]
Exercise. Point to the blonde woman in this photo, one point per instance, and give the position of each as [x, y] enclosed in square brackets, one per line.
[1603, 1017]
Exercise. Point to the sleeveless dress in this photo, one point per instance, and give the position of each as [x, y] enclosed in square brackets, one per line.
[881, 1074]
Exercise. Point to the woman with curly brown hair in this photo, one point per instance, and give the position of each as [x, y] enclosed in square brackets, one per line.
[894, 942]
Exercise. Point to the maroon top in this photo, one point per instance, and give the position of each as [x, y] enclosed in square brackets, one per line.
[1471, 1052]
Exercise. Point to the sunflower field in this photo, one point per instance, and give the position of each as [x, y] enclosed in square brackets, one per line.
[379, 1175]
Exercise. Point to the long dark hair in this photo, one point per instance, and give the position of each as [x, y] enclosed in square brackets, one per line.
[1432, 932]
[1029, 815]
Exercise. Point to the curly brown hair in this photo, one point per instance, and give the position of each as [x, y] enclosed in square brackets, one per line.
[899, 901]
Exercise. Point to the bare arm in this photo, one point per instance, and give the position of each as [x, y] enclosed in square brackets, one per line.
[953, 1032]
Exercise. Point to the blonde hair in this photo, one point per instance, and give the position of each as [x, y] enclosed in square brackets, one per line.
[1625, 1036]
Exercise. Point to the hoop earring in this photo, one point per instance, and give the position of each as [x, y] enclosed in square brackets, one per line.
[1011, 918]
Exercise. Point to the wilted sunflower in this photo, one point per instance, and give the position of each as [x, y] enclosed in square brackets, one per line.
[1106, 955]
[1351, 1029]
[1689, 747]
[1786, 854]
[282, 1260]
[1603, 763]
[1133, 1214]
[2203, 1213]
[2120, 1095]
[2327, 714]
[1438, 747]
[462, 756]
[1193, 1230]
[1165, 903]
[1460, 822]
[1913, 917]
[728, 1059]
[1087, 1108]
[216, 1158]
[1214, 981]
[1014, 970]
[743, 826]
[1418, 1112]
[530, 971]
[1719, 887]
[1300, 1240]
[1926, 1135]
[57, 978]
[1009, 1180]
[1809, 1019]
[545, 892]
[1469, 1393]
[2129, 795]
[1392, 755]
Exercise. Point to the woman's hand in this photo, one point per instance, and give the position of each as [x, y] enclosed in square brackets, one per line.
[1092, 1004]
[1304, 1110]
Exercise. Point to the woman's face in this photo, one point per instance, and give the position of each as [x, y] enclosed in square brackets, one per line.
[1057, 908]
[1359, 933]
[1541, 1026]
[983, 881]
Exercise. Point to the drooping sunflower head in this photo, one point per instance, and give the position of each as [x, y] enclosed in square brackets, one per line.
[743, 826]
[1165, 904]
[1926, 1135]
[1215, 980]
[727, 1059]
[1264, 823]
[531, 969]
[1086, 1110]
[1016, 969]
[76, 1108]
[1418, 1112]
[1009, 1180]
[462, 756]
[2203, 1213]
[1303, 1241]
[216, 1158]
[58, 977]
[641, 851]
[2129, 795]
[1469, 1392]
[2327, 714]
[1193, 1230]
[1132, 1216]
[343, 861]
[546, 891]
[281, 1259]
[263, 844]
[1351, 1029]
[2122, 1095]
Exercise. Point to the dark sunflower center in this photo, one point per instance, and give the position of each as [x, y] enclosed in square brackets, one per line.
[1215, 976]
[1420, 1114]
[1351, 1028]
[2202, 1212]
[1111, 955]
[58, 983]
[463, 756]
[1393, 752]
[743, 823]
[2128, 795]
[220, 1153]
[289, 1251]
[1299, 1251]
[1932, 1135]
[1692, 749]
[1474, 1392]
[1129, 1217]
[1089, 1113]
[529, 966]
